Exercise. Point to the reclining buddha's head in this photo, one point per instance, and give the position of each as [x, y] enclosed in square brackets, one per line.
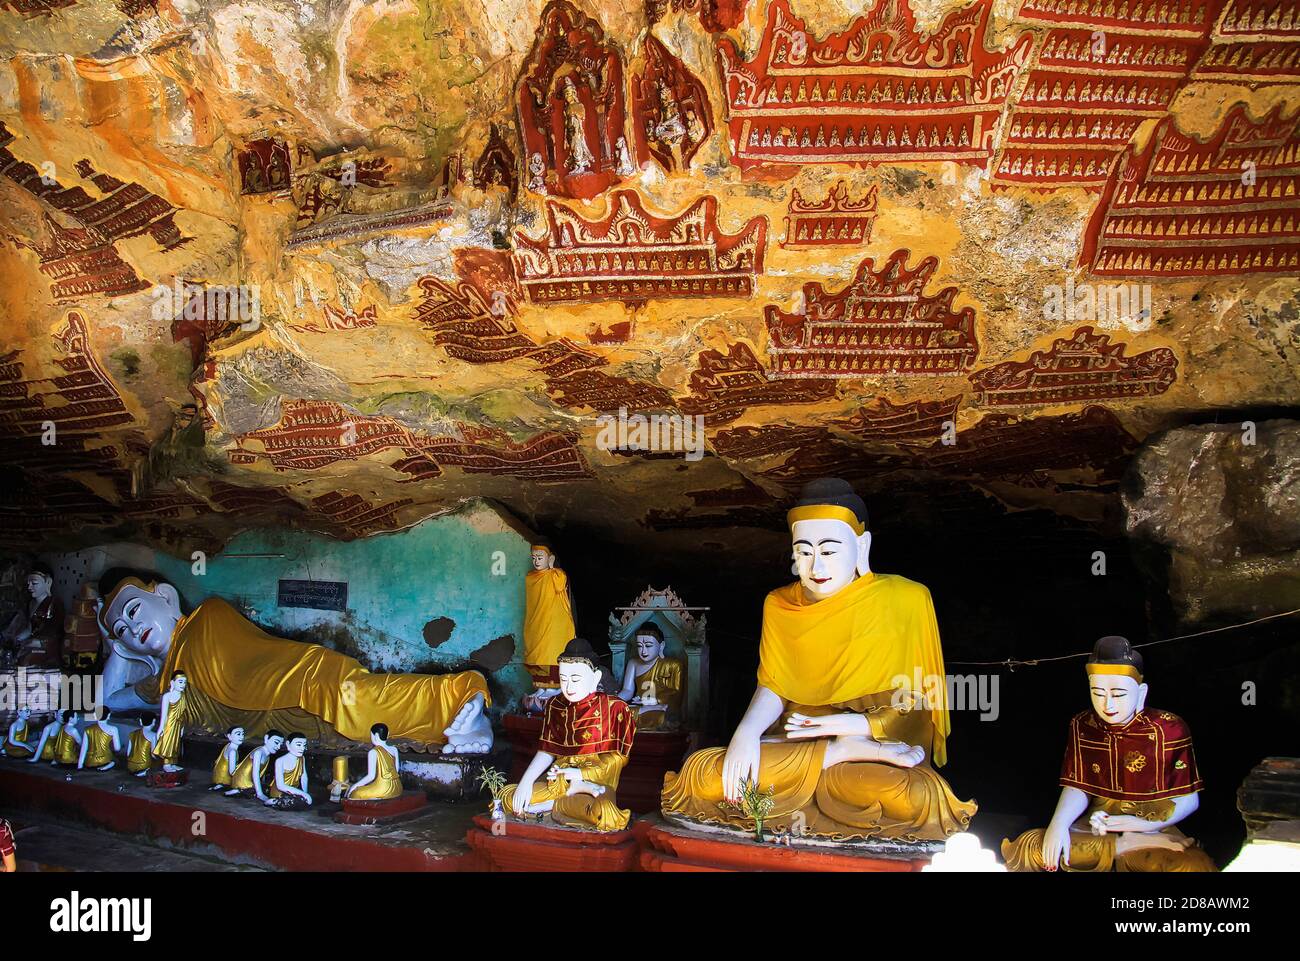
[141, 616]
[1115, 680]
[830, 541]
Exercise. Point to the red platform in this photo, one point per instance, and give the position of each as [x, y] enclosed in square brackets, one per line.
[667, 847]
[519, 846]
[654, 754]
[407, 804]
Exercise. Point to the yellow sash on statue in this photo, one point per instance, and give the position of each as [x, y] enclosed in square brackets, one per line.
[548, 621]
[232, 661]
[854, 644]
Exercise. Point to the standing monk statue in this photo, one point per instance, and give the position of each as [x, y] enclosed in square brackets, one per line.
[548, 624]
[836, 730]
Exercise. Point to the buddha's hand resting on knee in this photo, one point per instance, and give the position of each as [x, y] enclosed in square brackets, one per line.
[1056, 846]
[740, 764]
[523, 793]
[848, 724]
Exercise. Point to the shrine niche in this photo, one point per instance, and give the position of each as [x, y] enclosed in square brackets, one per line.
[1097, 75]
[632, 255]
[878, 92]
[882, 323]
[1253, 43]
[921, 420]
[314, 434]
[1085, 366]
[572, 116]
[264, 166]
[495, 166]
[1183, 207]
[671, 113]
[685, 638]
[836, 221]
[723, 386]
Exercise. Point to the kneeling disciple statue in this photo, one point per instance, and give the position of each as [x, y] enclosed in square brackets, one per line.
[382, 780]
[288, 791]
[586, 738]
[139, 748]
[1129, 776]
[836, 733]
[16, 744]
[100, 744]
[223, 770]
[249, 779]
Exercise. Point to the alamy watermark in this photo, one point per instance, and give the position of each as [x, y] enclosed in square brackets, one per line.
[234, 303]
[47, 692]
[959, 692]
[653, 432]
[1106, 305]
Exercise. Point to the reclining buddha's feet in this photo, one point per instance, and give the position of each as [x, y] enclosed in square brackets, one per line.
[471, 731]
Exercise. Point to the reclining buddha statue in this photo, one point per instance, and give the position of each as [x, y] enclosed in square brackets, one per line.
[237, 674]
[835, 734]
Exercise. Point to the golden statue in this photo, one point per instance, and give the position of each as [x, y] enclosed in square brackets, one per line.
[1128, 778]
[16, 744]
[249, 779]
[288, 790]
[237, 674]
[585, 742]
[837, 731]
[227, 763]
[382, 780]
[171, 724]
[139, 749]
[100, 744]
[652, 683]
[548, 623]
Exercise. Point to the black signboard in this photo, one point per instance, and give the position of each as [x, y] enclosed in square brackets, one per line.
[321, 595]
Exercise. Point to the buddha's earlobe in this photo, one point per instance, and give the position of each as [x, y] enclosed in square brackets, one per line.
[864, 553]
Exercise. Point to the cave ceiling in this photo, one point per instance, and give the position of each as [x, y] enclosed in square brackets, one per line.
[341, 265]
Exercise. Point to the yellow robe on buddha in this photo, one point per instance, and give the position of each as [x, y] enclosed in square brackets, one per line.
[234, 668]
[15, 750]
[139, 752]
[292, 777]
[244, 773]
[99, 749]
[221, 773]
[581, 810]
[1092, 852]
[548, 623]
[663, 682]
[847, 653]
[167, 747]
[67, 749]
[387, 782]
[47, 752]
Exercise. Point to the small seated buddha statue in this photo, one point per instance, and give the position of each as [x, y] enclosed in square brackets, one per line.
[548, 624]
[17, 745]
[288, 791]
[834, 733]
[100, 744]
[382, 780]
[1128, 778]
[139, 748]
[171, 724]
[223, 770]
[67, 746]
[584, 745]
[37, 632]
[249, 779]
[652, 683]
[47, 743]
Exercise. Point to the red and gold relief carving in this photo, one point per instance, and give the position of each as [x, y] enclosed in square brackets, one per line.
[671, 113]
[879, 92]
[724, 385]
[1182, 207]
[354, 516]
[751, 443]
[340, 320]
[1085, 366]
[86, 261]
[715, 15]
[571, 110]
[921, 420]
[1101, 70]
[35, 8]
[264, 166]
[1254, 42]
[314, 434]
[467, 326]
[837, 221]
[633, 255]
[882, 323]
[495, 167]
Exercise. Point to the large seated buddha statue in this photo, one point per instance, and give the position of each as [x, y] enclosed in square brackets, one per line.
[237, 674]
[835, 732]
[584, 745]
[1128, 778]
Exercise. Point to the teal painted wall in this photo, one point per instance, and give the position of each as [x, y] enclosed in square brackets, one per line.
[468, 566]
